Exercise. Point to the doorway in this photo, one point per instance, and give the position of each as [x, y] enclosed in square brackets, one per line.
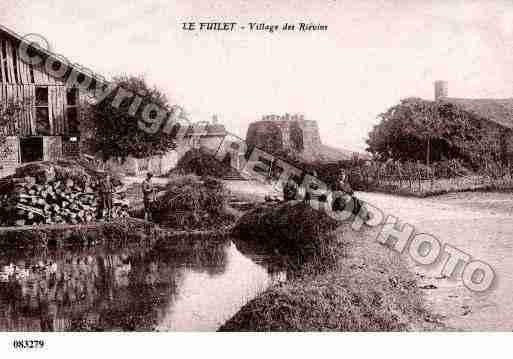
[31, 149]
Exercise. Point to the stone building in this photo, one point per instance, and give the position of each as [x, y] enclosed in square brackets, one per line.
[287, 132]
[204, 135]
[293, 132]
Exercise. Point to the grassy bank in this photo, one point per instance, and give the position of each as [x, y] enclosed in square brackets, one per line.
[358, 286]
[116, 233]
[293, 230]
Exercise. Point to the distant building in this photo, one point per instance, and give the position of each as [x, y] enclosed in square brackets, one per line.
[208, 136]
[294, 133]
[441, 90]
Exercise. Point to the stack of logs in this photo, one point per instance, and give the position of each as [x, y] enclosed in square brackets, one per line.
[32, 203]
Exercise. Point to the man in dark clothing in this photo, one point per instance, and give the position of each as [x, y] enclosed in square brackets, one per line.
[148, 194]
[106, 190]
[290, 190]
[343, 183]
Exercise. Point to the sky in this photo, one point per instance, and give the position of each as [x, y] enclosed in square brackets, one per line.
[373, 54]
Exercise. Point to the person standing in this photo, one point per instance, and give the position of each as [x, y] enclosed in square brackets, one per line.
[290, 190]
[343, 182]
[148, 194]
[106, 190]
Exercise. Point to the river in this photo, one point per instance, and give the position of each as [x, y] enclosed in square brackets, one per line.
[480, 224]
[193, 287]
[199, 285]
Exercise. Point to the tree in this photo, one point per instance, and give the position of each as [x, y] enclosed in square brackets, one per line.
[117, 128]
[417, 129]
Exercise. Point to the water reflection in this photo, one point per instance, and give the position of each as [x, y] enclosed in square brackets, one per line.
[188, 287]
[205, 301]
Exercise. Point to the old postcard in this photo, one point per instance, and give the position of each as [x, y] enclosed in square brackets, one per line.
[291, 166]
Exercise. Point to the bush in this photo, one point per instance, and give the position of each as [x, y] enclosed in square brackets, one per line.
[190, 202]
[198, 162]
[292, 229]
[450, 169]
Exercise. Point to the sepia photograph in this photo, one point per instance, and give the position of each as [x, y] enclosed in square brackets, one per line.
[255, 166]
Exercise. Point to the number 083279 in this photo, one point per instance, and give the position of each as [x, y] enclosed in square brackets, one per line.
[28, 344]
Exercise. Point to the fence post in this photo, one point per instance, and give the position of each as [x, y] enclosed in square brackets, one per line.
[410, 173]
[420, 179]
[376, 173]
[400, 175]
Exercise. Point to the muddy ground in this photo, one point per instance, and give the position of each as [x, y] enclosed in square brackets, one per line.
[480, 224]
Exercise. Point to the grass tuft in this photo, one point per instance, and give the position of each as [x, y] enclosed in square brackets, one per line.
[193, 203]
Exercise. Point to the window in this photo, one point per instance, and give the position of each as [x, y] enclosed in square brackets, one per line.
[73, 123]
[42, 96]
[72, 96]
[42, 111]
[72, 110]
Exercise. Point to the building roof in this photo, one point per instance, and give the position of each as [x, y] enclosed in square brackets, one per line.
[203, 128]
[334, 154]
[45, 54]
[499, 111]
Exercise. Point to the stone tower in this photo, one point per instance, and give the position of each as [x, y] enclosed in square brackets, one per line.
[289, 132]
[440, 90]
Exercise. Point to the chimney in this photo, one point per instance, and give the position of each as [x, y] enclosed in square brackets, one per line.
[440, 90]
[214, 119]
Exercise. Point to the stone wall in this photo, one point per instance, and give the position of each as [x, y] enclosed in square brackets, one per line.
[161, 165]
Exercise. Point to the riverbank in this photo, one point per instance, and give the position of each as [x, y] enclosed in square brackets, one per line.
[366, 288]
[115, 233]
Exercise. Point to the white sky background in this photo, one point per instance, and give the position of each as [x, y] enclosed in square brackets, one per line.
[373, 54]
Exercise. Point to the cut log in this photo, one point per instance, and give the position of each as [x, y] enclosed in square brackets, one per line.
[30, 181]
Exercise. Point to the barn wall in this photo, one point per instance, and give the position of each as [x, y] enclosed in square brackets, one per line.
[18, 82]
[18, 72]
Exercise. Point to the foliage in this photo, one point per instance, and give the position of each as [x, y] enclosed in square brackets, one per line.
[190, 202]
[117, 131]
[417, 129]
[293, 229]
[198, 162]
[114, 234]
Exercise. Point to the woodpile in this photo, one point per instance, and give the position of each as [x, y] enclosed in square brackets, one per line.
[31, 202]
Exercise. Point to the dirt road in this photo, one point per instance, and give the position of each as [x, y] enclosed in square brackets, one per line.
[480, 224]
